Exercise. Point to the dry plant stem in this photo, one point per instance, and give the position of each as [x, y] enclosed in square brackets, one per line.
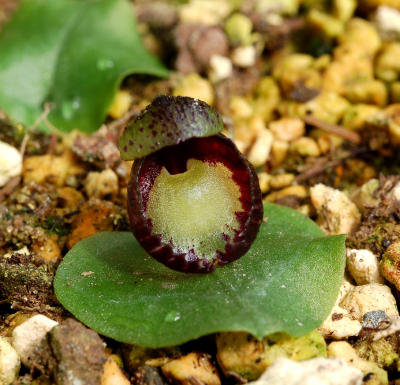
[14, 182]
[9, 187]
[41, 118]
[53, 144]
[317, 170]
[313, 171]
[334, 129]
[121, 122]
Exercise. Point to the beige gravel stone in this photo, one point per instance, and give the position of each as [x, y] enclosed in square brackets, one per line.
[337, 214]
[342, 349]
[220, 68]
[371, 297]
[259, 152]
[387, 63]
[279, 152]
[387, 20]
[28, 336]
[10, 163]
[240, 108]
[281, 180]
[264, 179]
[112, 374]
[193, 365]
[299, 191]
[345, 287]
[121, 104]
[364, 196]
[321, 371]
[287, 129]
[210, 12]
[244, 56]
[363, 266]
[195, 86]
[395, 193]
[101, 184]
[51, 168]
[9, 363]
[339, 324]
[305, 146]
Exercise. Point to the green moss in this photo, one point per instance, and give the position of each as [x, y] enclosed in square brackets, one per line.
[25, 283]
[382, 351]
[55, 225]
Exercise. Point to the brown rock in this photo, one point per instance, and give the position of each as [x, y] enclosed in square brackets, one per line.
[99, 148]
[196, 43]
[95, 216]
[157, 14]
[148, 375]
[78, 354]
[208, 41]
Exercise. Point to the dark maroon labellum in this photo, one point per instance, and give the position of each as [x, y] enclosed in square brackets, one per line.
[196, 204]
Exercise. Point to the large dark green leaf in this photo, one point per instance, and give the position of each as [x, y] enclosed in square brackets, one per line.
[288, 281]
[73, 53]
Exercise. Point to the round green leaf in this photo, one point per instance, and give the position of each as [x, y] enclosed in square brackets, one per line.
[288, 281]
[71, 53]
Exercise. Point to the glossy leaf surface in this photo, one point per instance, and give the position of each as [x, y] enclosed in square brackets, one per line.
[287, 281]
[72, 53]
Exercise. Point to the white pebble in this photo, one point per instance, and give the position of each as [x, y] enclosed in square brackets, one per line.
[29, 336]
[372, 297]
[337, 214]
[387, 19]
[10, 163]
[345, 287]
[321, 371]
[244, 56]
[220, 68]
[9, 363]
[259, 152]
[363, 266]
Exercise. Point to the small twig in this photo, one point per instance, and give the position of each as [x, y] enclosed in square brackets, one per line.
[40, 119]
[23, 144]
[119, 123]
[352, 136]
[9, 187]
[313, 171]
[52, 144]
